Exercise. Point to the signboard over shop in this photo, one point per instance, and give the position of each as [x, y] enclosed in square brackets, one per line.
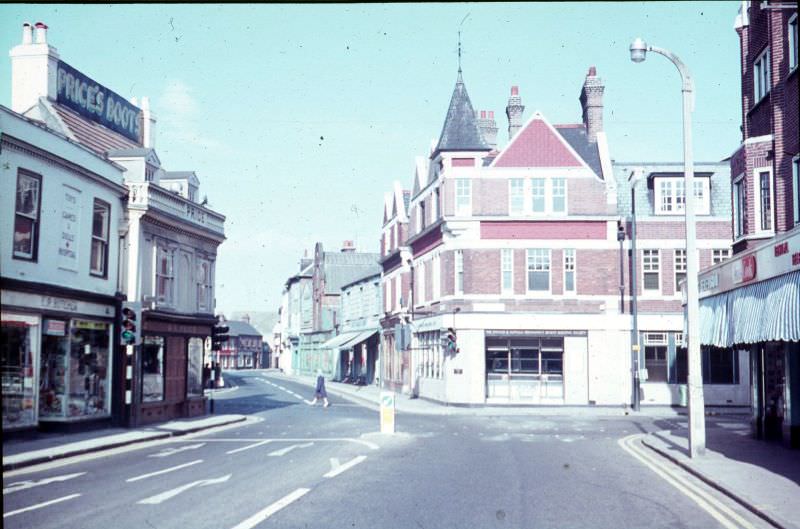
[534, 332]
[97, 103]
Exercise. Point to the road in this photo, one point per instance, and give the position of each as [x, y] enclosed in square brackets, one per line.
[291, 465]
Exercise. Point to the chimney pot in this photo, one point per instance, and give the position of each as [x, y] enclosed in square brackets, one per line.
[27, 33]
[514, 90]
[592, 71]
[491, 114]
[483, 114]
[41, 33]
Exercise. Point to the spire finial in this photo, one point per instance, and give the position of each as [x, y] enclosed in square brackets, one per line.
[459, 41]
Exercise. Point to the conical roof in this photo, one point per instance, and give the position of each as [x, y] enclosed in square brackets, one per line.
[460, 131]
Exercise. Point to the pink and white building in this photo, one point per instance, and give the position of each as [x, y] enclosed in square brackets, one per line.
[515, 252]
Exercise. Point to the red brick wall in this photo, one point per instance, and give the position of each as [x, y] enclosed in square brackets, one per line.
[586, 196]
[655, 229]
[482, 272]
[520, 271]
[489, 196]
[448, 266]
[533, 229]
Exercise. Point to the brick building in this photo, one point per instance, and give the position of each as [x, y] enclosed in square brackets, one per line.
[751, 304]
[515, 252]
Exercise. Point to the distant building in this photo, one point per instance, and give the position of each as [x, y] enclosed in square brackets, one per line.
[243, 349]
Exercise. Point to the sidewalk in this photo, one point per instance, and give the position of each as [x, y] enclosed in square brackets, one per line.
[765, 477]
[18, 453]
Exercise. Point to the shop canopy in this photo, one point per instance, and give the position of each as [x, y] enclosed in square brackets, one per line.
[348, 339]
[763, 312]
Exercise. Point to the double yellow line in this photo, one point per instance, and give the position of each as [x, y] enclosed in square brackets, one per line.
[721, 512]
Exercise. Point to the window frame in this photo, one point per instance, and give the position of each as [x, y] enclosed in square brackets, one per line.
[791, 35]
[533, 197]
[162, 249]
[463, 201]
[162, 365]
[679, 267]
[796, 189]
[658, 343]
[719, 255]
[104, 242]
[562, 195]
[739, 191]
[458, 265]
[539, 257]
[758, 196]
[205, 285]
[35, 222]
[570, 266]
[677, 200]
[507, 267]
[651, 252]
[761, 74]
[521, 210]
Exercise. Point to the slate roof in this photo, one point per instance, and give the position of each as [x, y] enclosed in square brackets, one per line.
[241, 328]
[460, 131]
[93, 135]
[342, 268]
[577, 139]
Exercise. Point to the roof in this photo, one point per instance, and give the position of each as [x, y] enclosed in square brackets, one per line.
[343, 268]
[539, 144]
[241, 328]
[460, 131]
[191, 176]
[365, 276]
[578, 140]
[96, 137]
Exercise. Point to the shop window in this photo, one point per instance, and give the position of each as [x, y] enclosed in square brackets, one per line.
[153, 353]
[651, 270]
[720, 365]
[54, 368]
[539, 270]
[19, 342]
[681, 360]
[26, 217]
[655, 356]
[89, 380]
[100, 226]
[194, 367]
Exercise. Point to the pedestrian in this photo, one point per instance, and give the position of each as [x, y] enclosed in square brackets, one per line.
[319, 391]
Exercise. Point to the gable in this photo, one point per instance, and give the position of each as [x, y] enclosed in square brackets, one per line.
[538, 144]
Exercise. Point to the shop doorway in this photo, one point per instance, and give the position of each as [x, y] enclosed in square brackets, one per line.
[525, 369]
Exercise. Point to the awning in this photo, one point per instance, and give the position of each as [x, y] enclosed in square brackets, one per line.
[339, 340]
[763, 312]
[360, 337]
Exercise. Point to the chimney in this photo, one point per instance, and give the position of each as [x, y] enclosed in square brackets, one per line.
[514, 112]
[246, 318]
[592, 104]
[27, 33]
[488, 127]
[348, 247]
[41, 33]
[148, 125]
[34, 69]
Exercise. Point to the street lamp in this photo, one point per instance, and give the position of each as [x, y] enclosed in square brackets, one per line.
[697, 427]
[636, 355]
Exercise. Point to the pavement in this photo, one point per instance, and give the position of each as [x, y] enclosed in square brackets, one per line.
[763, 477]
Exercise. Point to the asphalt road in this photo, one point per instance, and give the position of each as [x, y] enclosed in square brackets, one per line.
[292, 465]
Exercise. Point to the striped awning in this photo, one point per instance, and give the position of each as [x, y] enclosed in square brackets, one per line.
[763, 312]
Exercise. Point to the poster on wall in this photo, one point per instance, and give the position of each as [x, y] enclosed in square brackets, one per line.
[70, 228]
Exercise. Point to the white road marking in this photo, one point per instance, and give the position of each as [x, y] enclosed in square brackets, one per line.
[710, 504]
[169, 451]
[350, 464]
[282, 388]
[158, 473]
[335, 463]
[284, 451]
[40, 505]
[263, 514]
[248, 447]
[298, 396]
[368, 444]
[23, 485]
[164, 496]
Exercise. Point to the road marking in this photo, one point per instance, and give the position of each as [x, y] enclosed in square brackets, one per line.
[284, 451]
[350, 464]
[23, 485]
[40, 505]
[368, 444]
[282, 388]
[248, 447]
[710, 504]
[262, 515]
[298, 396]
[171, 469]
[164, 496]
[335, 463]
[170, 451]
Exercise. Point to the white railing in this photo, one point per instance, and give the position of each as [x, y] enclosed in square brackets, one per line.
[147, 195]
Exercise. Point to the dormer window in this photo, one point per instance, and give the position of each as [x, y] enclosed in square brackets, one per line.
[669, 195]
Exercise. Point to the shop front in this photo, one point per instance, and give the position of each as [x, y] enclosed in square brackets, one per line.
[57, 361]
[751, 305]
[522, 367]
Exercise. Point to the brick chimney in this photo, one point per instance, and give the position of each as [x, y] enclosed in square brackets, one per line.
[488, 127]
[514, 112]
[34, 68]
[592, 104]
[348, 247]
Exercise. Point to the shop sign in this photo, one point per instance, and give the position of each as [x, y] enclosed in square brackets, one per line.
[709, 282]
[55, 327]
[70, 226]
[92, 325]
[745, 269]
[97, 103]
[532, 332]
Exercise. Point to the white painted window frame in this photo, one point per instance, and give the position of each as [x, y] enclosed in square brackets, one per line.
[463, 200]
[791, 35]
[653, 267]
[507, 266]
[679, 266]
[702, 207]
[757, 200]
[570, 265]
[458, 264]
[739, 210]
[540, 252]
[522, 210]
[796, 189]
[719, 255]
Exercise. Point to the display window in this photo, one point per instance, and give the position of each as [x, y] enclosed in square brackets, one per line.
[194, 368]
[153, 368]
[54, 367]
[88, 367]
[19, 342]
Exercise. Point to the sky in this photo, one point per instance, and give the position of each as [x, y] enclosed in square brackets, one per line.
[298, 118]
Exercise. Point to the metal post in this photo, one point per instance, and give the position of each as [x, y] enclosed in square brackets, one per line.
[634, 310]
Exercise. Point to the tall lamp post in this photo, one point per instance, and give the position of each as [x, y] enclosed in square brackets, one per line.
[634, 178]
[697, 426]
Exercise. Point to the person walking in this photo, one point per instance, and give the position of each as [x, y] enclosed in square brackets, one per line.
[319, 391]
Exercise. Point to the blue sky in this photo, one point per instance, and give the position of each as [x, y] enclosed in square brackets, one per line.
[298, 118]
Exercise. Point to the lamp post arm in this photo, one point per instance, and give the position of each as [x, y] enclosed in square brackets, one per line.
[687, 82]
